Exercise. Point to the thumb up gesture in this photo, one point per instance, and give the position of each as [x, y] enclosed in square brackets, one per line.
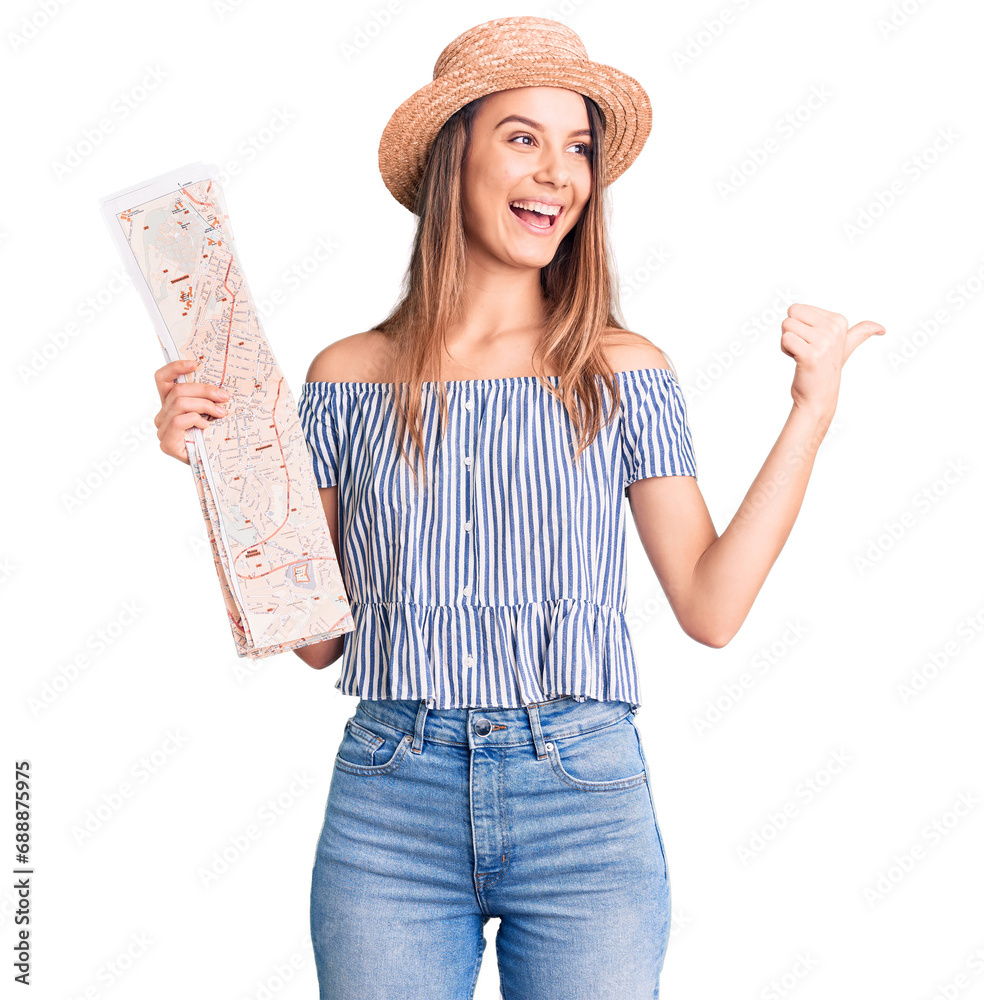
[820, 341]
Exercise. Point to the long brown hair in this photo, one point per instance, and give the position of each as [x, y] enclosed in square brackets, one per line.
[580, 288]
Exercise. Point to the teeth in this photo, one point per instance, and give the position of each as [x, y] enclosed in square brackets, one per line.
[537, 206]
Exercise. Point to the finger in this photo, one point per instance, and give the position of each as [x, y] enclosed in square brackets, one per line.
[177, 408]
[792, 344]
[172, 440]
[190, 402]
[201, 396]
[802, 329]
[809, 314]
[860, 332]
[164, 377]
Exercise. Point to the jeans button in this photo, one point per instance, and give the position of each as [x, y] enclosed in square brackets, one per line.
[483, 727]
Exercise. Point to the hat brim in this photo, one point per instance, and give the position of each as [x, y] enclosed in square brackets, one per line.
[412, 128]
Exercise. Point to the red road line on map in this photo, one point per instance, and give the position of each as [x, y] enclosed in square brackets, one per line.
[225, 364]
[232, 310]
[186, 192]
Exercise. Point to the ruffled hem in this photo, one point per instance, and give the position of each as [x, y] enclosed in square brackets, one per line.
[479, 656]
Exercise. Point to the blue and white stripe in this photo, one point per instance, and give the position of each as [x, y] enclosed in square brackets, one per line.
[503, 581]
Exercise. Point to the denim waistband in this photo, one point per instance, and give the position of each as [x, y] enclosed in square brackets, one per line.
[534, 723]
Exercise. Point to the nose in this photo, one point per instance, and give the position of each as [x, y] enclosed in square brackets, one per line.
[552, 167]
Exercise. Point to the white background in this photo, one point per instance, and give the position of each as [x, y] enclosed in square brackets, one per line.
[879, 579]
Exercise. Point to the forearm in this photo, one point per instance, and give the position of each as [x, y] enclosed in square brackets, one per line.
[321, 654]
[731, 571]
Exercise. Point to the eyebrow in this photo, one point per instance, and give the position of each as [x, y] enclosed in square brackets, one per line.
[537, 125]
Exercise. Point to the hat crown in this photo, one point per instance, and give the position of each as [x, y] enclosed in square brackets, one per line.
[508, 38]
[505, 54]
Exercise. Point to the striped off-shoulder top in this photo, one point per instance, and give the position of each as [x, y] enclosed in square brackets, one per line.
[503, 581]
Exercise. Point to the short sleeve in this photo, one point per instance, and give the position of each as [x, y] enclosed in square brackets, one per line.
[317, 413]
[656, 438]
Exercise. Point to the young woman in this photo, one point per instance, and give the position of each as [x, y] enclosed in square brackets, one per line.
[474, 451]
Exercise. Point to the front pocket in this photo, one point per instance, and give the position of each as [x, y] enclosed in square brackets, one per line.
[363, 751]
[605, 760]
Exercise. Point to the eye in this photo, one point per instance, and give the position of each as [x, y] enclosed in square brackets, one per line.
[585, 145]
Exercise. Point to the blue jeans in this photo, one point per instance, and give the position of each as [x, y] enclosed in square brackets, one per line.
[438, 820]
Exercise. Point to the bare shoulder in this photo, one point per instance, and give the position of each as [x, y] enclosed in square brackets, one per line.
[626, 351]
[360, 357]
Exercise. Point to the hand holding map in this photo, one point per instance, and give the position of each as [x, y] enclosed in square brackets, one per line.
[266, 524]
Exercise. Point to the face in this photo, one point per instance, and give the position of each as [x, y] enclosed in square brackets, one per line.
[529, 145]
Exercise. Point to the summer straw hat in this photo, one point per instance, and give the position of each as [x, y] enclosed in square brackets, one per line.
[500, 55]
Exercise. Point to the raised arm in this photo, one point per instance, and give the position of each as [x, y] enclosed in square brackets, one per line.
[711, 582]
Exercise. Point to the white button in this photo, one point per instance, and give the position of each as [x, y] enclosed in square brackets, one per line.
[469, 661]
[469, 405]
[549, 746]
[467, 525]
[466, 591]
[468, 460]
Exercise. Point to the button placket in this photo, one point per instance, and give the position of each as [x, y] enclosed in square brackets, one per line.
[469, 423]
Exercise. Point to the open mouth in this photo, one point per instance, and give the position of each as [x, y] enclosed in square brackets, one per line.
[538, 221]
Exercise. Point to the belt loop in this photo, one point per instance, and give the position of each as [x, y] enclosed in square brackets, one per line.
[418, 731]
[533, 711]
